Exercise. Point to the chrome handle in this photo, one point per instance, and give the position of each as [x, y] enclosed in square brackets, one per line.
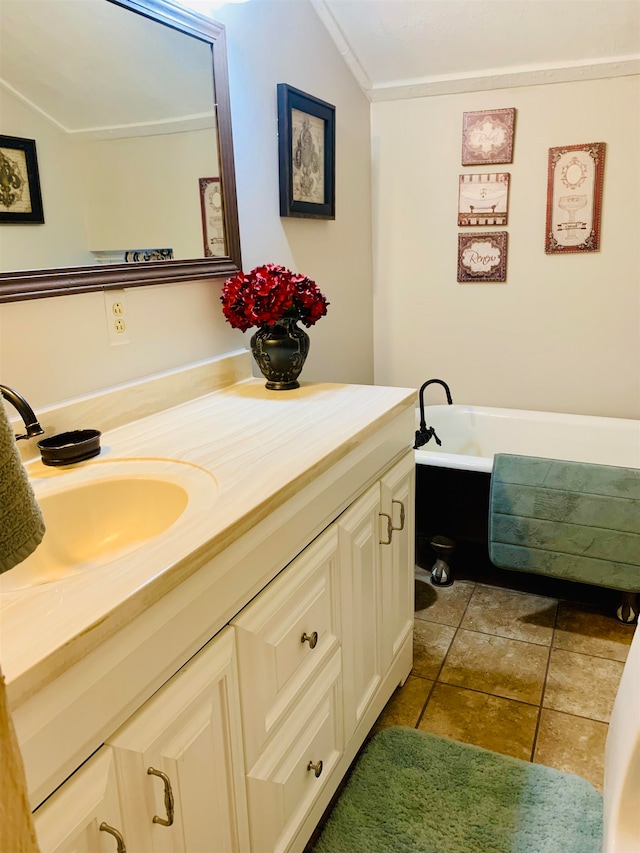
[120, 848]
[401, 505]
[317, 768]
[311, 639]
[168, 798]
[389, 528]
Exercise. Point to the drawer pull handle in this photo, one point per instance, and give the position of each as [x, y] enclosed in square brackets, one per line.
[317, 768]
[168, 798]
[104, 827]
[389, 528]
[401, 514]
[312, 639]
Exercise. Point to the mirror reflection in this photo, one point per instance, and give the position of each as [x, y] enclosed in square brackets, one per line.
[122, 111]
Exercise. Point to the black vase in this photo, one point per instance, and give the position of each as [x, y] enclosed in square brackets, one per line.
[280, 352]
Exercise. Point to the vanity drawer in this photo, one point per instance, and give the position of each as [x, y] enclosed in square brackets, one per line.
[283, 637]
[288, 777]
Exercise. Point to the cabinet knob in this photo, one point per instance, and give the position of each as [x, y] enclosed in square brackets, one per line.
[168, 798]
[120, 847]
[312, 639]
[401, 505]
[317, 768]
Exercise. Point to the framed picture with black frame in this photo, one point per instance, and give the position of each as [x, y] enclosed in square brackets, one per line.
[20, 199]
[306, 151]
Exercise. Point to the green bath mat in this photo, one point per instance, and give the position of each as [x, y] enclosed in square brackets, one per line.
[413, 792]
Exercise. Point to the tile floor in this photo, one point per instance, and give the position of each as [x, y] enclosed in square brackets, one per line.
[523, 674]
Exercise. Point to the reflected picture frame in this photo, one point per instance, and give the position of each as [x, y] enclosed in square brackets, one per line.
[306, 154]
[20, 196]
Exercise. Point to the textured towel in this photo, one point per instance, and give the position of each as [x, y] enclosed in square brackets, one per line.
[16, 826]
[21, 523]
[570, 520]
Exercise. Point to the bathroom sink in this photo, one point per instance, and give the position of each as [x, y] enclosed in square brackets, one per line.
[100, 512]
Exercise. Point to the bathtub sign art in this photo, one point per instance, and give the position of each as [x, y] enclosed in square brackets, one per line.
[482, 257]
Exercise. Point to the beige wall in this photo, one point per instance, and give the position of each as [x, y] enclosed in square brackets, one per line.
[53, 349]
[563, 334]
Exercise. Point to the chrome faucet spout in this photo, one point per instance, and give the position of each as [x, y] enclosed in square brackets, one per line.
[423, 435]
[25, 411]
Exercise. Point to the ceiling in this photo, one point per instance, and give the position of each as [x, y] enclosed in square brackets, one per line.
[416, 48]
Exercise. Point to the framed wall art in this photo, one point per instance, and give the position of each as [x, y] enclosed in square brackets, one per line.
[482, 257]
[306, 152]
[487, 136]
[483, 199]
[20, 199]
[574, 198]
[212, 210]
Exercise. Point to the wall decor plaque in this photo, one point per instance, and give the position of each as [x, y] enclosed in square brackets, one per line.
[483, 199]
[482, 257]
[487, 136]
[574, 198]
[306, 154]
[20, 199]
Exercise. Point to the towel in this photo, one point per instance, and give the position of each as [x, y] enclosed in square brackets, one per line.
[570, 520]
[17, 834]
[21, 522]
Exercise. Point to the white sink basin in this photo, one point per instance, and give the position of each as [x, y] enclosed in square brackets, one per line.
[101, 511]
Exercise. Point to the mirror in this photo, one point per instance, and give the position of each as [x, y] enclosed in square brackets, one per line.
[127, 102]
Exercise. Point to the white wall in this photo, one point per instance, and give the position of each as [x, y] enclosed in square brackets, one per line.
[563, 333]
[56, 348]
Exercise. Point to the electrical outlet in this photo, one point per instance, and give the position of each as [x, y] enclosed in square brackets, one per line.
[114, 306]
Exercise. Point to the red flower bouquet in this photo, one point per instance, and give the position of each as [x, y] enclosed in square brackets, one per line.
[269, 293]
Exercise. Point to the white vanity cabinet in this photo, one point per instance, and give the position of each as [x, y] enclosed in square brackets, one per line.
[171, 779]
[248, 674]
[315, 652]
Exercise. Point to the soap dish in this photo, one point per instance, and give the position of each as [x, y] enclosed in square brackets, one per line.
[69, 447]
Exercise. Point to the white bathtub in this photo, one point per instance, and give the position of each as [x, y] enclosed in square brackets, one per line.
[471, 435]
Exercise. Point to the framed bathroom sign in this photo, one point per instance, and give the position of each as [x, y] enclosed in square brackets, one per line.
[482, 257]
[483, 199]
[487, 136]
[306, 154]
[574, 198]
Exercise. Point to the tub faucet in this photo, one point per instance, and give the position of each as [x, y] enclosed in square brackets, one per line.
[24, 410]
[423, 435]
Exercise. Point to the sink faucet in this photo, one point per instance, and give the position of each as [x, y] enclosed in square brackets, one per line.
[423, 435]
[24, 410]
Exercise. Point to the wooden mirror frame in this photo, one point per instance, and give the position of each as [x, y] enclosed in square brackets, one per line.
[63, 281]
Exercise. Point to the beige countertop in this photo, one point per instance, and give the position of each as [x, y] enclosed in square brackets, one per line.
[261, 447]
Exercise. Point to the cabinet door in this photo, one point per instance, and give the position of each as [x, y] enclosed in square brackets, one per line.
[284, 637]
[179, 760]
[83, 815]
[359, 537]
[397, 497]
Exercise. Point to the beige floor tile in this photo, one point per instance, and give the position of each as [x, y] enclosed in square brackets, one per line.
[508, 668]
[442, 604]
[514, 615]
[581, 629]
[406, 704]
[430, 645]
[501, 725]
[582, 685]
[572, 744]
